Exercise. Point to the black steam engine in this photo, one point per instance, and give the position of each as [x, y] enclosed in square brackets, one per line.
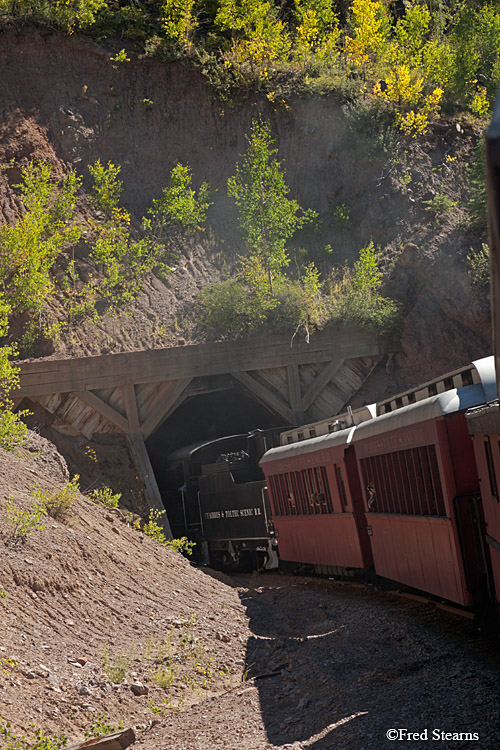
[217, 496]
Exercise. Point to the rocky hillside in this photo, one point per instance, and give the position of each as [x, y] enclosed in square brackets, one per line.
[90, 609]
[63, 100]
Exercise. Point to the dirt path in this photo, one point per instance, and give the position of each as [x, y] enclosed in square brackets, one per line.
[336, 667]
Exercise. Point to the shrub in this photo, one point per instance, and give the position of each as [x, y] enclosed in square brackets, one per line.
[182, 545]
[13, 431]
[22, 522]
[267, 217]
[356, 296]
[152, 529]
[107, 188]
[105, 496]
[59, 505]
[478, 265]
[115, 666]
[38, 741]
[180, 207]
[439, 203]
[101, 725]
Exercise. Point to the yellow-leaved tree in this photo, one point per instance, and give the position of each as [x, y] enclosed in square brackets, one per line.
[259, 37]
[317, 31]
[370, 30]
[179, 22]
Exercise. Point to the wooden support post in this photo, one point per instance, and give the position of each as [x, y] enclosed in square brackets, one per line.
[128, 395]
[294, 393]
[320, 382]
[143, 463]
[172, 397]
[101, 407]
[268, 398]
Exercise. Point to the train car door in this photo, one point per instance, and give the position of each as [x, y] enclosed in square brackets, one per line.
[358, 508]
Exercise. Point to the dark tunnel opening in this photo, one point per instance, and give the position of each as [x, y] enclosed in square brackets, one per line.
[206, 417]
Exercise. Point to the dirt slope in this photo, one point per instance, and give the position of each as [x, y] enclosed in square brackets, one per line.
[96, 590]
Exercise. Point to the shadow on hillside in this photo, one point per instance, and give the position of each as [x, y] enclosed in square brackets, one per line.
[324, 683]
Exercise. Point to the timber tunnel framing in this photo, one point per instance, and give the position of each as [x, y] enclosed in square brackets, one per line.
[293, 380]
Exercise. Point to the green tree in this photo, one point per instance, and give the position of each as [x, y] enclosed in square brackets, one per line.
[107, 188]
[267, 217]
[180, 207]
[29, 249]
[476, 204]
[67, 14]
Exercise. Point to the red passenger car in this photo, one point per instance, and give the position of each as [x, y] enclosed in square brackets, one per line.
[317, 503]
[420, 467]
[399, 491]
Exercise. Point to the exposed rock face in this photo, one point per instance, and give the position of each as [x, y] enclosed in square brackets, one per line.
[61, 99]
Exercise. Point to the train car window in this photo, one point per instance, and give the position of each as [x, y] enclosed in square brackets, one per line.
[431, 490]
[412, 480]
[341, 486]
[291, 498]
[467, 377]
[300, 436]
[399, 403]
[491, 469]
[398, 492]
[448, 383]
[387, 408]
[276, 495]
[432, 389]
[403, 485]
[411, 398]
[406, 482]
[312, 491]
[326, 486]
[289, 438]
[312, 433]
[321, 496]
[285, 509]
[427, 500]
[303, 492]
[297, 494]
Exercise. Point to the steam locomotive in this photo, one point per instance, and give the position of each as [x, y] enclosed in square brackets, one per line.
[217, 495]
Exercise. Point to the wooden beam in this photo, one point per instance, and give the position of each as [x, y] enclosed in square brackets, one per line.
[143, 463]
[129, 400]
[268, 398]
[176, 363]
[104, 409]
[294, 393]
[168, 403]
[321, 381]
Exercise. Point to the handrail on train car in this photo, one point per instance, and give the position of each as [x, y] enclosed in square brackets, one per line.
[476, 496]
